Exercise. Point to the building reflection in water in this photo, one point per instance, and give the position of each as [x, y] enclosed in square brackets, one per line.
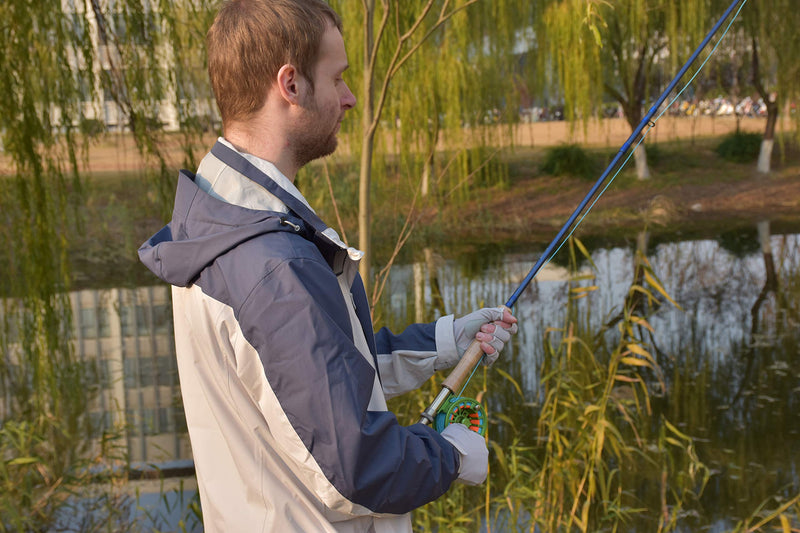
[127, 333]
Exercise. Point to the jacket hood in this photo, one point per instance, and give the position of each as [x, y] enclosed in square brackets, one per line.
[203, 228]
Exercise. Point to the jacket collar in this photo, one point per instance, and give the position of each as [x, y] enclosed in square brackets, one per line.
[326, 238]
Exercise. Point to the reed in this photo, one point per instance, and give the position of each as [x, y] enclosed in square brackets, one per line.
[595, 418]
[596, 442]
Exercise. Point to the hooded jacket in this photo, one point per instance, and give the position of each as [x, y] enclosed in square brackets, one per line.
[284, 384]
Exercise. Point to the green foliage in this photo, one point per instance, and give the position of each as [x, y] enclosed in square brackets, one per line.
[37, 495]
[770, 28]
[590, 50]
[58, 60]
[596, 416]
[655, 154]
[428, 74]
[173, 502]
[596, 442]
[455, 79]
[779, 512]
[569, 160]
[740, 147]
[91, 127]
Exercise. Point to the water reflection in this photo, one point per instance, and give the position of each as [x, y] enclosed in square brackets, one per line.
[715, 289]
[127, 335]
[730, 355]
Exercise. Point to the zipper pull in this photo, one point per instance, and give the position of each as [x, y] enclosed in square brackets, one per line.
[285, 222]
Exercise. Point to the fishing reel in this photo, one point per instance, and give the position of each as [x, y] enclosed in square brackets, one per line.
[461, 410]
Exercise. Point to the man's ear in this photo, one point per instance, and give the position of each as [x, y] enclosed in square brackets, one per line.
[290, 84]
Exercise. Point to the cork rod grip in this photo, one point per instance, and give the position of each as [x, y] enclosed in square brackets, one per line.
[458, 376]
[472, 356]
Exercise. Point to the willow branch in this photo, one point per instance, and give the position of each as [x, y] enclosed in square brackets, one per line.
[408, 228]
[373, 57]
[397, 61]
[333, 200]
[472, 174]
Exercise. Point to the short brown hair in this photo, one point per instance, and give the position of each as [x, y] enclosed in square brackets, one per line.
[250, 40]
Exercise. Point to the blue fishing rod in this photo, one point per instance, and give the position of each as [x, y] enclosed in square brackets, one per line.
[449, 406]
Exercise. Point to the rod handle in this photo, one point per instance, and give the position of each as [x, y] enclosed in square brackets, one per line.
[458, 376]
[463, 370]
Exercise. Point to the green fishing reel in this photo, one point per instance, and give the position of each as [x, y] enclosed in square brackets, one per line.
[460, 410]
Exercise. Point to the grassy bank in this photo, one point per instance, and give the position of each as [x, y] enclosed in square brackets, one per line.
[693, 193]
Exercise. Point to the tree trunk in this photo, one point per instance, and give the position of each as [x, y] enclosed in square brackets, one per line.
[633, 114]
[427, 174]
[642, 168]
[764, 241]
[367, 147]
[419, 291]
[765, 155]
[365, 209]
[771, 101]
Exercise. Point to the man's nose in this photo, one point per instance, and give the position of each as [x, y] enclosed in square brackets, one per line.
[348, 98]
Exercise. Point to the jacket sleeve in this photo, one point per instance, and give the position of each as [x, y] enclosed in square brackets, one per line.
[409, 359]
[297, 321]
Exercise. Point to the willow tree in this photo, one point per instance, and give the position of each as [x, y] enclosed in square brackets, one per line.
[61, 60]
[618, 49]
[428, 74]
[41, 382]
[774, 48]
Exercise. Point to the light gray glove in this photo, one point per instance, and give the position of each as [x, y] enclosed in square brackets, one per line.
[473, 450]
[492, 326]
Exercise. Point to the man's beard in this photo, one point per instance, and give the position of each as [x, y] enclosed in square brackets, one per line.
[311, 142]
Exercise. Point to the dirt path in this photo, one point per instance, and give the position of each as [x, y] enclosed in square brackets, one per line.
[614, 132]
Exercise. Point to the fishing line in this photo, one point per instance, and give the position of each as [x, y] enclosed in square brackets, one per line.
[461, 392]
[462, 410]
[703, 64]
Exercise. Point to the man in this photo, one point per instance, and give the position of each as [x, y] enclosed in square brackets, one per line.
[284, 383]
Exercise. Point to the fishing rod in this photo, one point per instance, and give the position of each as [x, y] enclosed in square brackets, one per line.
[448, 407]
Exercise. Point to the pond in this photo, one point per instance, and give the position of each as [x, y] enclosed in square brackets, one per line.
[729, 356]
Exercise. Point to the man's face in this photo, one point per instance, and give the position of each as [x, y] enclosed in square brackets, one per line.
[324, 106]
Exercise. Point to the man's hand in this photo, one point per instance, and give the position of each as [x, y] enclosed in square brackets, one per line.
[474, 453]
[491, 326]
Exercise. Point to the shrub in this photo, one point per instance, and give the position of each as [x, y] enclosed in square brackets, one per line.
[740, 147]
[92, 127]
[570, 160]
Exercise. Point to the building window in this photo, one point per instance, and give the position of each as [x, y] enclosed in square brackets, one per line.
[167, 375]
[165, 419]
[162, 318]
[146, 377]
[95, 323]
[130, 370]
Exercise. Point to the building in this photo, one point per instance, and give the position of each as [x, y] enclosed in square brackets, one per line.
[129, 56]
